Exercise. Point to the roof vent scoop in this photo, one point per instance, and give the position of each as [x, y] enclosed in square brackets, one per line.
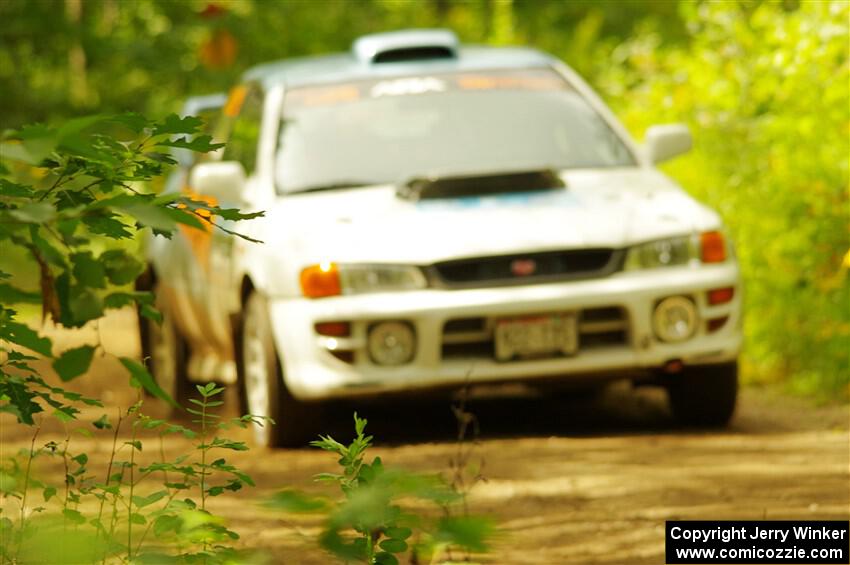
[406, 45]
[480, 185]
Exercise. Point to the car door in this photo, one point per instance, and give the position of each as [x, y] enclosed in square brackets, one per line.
[240, 130]
[177, 261]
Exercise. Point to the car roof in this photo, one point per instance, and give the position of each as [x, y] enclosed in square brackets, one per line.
[354, 66]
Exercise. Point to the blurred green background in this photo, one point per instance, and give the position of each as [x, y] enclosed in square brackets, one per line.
[763, 85]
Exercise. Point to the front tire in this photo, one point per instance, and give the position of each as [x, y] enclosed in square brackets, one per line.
[264, 390]
[705, 395]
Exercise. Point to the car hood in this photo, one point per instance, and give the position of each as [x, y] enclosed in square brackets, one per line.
[611, 208]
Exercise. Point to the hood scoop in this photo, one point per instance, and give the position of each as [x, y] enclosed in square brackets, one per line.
[479, 185]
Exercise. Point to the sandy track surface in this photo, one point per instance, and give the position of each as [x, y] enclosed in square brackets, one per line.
[569, 480]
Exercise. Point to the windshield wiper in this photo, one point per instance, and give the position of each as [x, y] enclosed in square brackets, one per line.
[334, 186]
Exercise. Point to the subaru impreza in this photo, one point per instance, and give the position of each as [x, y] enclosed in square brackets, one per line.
[438, 214]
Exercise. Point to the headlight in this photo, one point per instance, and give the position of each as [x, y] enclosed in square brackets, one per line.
[662, 253]
[333, 279]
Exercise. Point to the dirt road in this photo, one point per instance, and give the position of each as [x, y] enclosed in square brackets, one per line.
[573, 480]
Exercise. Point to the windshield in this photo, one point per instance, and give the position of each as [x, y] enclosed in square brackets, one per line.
[393, 130]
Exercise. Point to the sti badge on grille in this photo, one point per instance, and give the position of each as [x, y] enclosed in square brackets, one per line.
[523, 267]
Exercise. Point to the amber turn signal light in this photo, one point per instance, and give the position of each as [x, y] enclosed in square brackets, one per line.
[318, 281]
[713, 247]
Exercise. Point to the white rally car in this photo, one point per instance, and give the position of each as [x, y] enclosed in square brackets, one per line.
[437, 214]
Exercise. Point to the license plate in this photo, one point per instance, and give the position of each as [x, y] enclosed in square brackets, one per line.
[536, 336]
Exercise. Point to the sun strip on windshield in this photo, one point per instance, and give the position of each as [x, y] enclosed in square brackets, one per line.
[332, 95]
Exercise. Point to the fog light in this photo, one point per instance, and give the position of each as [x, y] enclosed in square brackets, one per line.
[392, 343]
[674, 319]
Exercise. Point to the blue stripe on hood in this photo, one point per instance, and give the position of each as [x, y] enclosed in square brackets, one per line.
[556, 197]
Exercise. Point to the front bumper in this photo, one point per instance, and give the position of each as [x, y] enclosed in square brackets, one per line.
[615, 332]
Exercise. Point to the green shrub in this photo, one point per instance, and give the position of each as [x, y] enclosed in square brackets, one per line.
[372, 524]
[765, 90]
[154, 512]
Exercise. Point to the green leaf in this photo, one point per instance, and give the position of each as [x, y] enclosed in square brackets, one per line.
[150, 215]
[65, 413]
[200, 144]
[73, 516]
[88, 271]
[102, 423]
[121, 267]
[243, 477]
[174, 124]
[224, 443]
[393, 545]
[85, 306]
[235, 215]
[151, 313]
[12, 295]
[136, 122]
[12, 189]
[141, 377]
[187, 218]
[215, 491]
[23, 335]
[359, 425]
[33, 143]
[87, 148]
[34, 212]
[398, 533]
[107, 225]
[295, 502]
[328, 477]
[469, 532]
[137, 519]
[74, 362]
[166, 524]
[19, 152]
[49, 493]
[121, 299]
[142, 501]
[74, 127]
[384, 558]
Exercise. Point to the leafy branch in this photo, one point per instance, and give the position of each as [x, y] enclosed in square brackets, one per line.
[71, 197]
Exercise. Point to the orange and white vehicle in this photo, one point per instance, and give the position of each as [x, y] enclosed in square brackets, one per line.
[437, 213]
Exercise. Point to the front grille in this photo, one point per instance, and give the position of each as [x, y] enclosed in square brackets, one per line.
[526, 268]
[472, 338]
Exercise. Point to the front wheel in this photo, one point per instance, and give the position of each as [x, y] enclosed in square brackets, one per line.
[705, 395]
[264, 391]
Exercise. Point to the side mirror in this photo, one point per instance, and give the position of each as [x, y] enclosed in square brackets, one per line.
[223, 180]
[667, 141]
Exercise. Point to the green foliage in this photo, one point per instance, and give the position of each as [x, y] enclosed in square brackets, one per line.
[370, 524]
[86, 196]
[764, 87]
[153, 512]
